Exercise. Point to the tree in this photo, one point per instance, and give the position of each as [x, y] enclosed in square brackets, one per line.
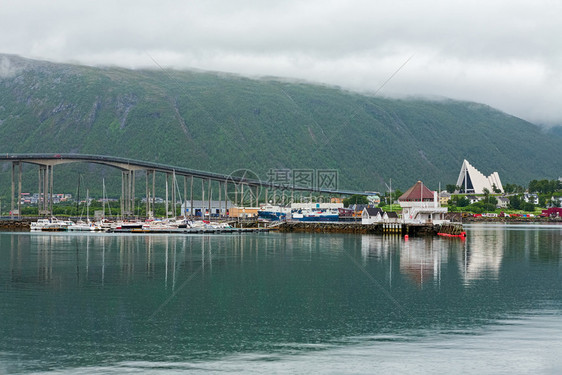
[495, 189]
[355, 199]
[486, 195]
[396, 194]
[462, 202]
[528, 206]
[513, 188]
[544, 186]
[515, 202]
[451, 188]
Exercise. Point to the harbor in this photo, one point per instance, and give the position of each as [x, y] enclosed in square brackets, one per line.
[244, 226]
[421, 214]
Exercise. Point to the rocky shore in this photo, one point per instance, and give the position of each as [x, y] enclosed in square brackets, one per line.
[513, 220]
[15, 225]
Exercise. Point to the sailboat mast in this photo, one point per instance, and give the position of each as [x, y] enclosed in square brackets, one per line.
[78, 195]
[103, 198]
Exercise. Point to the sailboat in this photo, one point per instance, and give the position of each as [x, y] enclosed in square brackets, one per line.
[85, 225]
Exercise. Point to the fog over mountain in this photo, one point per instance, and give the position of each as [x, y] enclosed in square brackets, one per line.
[222, 123]
[505, 54]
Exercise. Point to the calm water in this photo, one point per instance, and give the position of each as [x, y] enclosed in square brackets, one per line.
[282, 303]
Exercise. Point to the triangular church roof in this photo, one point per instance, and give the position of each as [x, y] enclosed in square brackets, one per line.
[417, 193]
[471, 180]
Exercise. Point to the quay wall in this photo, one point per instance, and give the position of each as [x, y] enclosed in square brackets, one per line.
[536, 219]
[358, 228]
[15, 225]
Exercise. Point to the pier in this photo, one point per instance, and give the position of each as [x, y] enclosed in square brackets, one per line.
[253, 226]
[398, 229]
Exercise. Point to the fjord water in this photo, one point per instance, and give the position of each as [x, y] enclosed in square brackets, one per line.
[282, 303]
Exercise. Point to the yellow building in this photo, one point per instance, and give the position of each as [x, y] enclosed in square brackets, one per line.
[243, 212]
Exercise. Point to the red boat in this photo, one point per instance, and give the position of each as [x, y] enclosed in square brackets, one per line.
[461, 235]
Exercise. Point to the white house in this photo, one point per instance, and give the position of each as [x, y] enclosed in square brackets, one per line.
[390, 217]
[472, 199]
[421, 205]
[371, 215]
[503, 202]
[533, 198]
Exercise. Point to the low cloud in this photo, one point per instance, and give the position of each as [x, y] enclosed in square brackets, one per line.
[7, 70]
[505, 54]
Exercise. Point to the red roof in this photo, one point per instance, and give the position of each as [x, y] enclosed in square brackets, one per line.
[416, 193]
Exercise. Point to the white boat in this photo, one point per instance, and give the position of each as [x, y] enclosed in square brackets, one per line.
[39, 224]
[316, 214]
[273, 213]
[56, 225]
[84, 227]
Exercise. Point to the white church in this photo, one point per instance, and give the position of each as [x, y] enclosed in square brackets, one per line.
[472, 181]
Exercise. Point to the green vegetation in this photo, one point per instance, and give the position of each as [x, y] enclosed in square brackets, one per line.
[222, 123]
[452, 188]
[545, 186]
[355, 199]
[544, 189]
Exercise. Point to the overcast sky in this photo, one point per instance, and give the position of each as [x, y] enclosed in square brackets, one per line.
[507, 54]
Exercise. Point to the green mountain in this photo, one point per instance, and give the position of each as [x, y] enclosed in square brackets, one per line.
[556, 130]
[221, 123]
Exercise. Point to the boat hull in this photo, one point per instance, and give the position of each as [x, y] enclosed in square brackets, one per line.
[318, 218]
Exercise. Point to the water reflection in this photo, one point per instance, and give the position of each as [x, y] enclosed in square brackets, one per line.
[479, 256]
[70, 301]
[482, 254]
[421, 260]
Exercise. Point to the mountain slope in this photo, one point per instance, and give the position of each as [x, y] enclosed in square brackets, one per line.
[223, 122]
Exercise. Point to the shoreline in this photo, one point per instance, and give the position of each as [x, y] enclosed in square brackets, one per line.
[513, 220]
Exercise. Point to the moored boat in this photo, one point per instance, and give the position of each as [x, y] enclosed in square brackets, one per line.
[316, 215]
[39, 224]
[273, 213]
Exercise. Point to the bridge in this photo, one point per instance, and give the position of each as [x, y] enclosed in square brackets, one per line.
[238, 186]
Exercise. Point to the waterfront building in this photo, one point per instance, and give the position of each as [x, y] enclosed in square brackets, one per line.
[201, 208]
[357, 209]
[421, 205]
[371, 215]
[444, 198]
[471, 180]
[243, 212]
[390, 217]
